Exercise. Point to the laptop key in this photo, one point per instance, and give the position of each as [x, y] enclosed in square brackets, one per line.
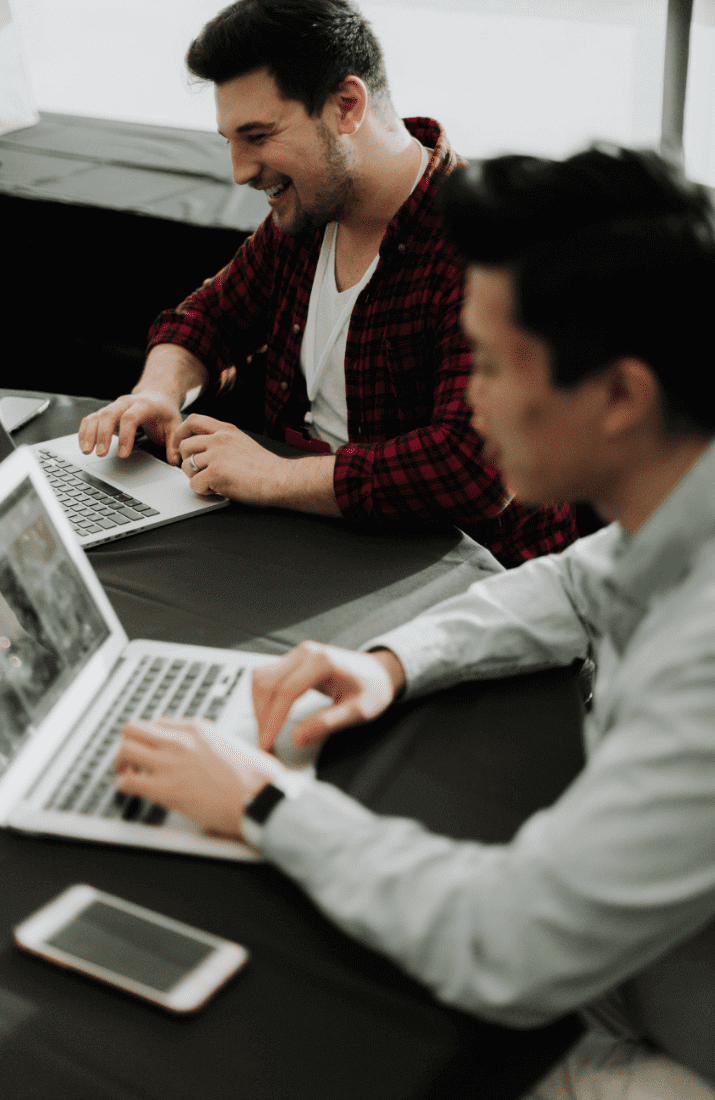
[155, 815]
[132, 808]
[69, 481]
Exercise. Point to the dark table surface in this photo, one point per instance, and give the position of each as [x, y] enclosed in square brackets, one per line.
[314, 1015]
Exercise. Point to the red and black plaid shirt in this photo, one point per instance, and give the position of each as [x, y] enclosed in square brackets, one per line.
[411, 453]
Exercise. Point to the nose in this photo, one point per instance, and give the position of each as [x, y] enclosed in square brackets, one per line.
[245, 165]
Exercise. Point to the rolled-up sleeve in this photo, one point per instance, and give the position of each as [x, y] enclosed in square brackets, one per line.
[224, 320]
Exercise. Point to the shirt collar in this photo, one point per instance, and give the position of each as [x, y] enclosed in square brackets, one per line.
[419, 206]
[664, 549]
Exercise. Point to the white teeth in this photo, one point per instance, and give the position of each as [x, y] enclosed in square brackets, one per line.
[273, 191]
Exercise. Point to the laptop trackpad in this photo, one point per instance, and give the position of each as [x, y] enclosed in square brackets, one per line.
[136, 470]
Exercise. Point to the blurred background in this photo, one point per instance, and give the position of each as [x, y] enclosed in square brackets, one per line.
[110, 162]
[543, 76]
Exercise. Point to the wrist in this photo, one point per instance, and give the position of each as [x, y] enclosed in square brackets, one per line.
[171, 371]
[259, 805]
[393, 667]
[307, 485]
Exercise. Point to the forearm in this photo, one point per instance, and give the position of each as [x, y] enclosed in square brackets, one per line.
[588, 893]
[223, 321]
[447, 912]
[524, 619]
[172, 371]
[306, 485]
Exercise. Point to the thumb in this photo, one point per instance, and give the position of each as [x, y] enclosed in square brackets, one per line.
[316, 727]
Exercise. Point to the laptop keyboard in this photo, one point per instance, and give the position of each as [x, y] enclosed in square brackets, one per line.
[91, 505]
[158, 686]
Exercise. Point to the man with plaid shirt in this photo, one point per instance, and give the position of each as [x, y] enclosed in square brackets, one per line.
[350, 286]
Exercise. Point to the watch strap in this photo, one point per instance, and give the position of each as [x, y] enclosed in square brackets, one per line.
[265, 801]
[288, 784]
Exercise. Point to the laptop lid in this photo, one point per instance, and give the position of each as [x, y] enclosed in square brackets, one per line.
[59, 635]
[61, 647]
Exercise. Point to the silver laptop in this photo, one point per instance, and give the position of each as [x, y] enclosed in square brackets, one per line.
[109, 498]
[69, 679]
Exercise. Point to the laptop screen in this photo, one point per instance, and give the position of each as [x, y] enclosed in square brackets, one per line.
[50, 626]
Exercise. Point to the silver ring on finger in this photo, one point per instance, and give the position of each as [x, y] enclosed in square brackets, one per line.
[193, 465]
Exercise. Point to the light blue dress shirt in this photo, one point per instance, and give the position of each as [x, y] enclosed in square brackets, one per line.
[622, 866]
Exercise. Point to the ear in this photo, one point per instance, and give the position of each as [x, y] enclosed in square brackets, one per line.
[631, 396]
[350, 104]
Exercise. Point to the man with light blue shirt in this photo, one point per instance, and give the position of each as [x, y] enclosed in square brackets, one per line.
[588, 305]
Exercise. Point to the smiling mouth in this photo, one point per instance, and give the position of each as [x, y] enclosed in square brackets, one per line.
[276, 192]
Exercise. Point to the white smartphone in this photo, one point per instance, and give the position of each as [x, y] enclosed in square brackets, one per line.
[159, 959]
[16, 411]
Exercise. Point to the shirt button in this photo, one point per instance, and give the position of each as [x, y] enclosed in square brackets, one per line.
[296, 328]
[284, 386]
[400, 247]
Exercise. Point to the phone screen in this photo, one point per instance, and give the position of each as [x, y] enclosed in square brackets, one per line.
[129, 945]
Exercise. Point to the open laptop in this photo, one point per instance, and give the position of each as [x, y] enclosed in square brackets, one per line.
[108, 498]
[69, 679]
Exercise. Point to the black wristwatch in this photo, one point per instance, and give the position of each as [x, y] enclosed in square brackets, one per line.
[286, 784]
[257, 812]
[259, 808]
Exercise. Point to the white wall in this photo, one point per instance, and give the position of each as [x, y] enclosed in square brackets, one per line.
[543, 76]
[17, 108]
[699, 136]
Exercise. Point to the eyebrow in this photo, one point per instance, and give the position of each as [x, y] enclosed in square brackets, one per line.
[249, 127]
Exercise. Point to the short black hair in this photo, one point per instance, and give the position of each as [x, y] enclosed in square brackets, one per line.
[308, 46]
[612, 253]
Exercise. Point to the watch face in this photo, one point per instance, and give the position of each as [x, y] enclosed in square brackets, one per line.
[264, 802]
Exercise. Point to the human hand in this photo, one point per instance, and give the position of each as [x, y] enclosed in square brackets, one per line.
[219, 458]
[362, 686]
[152, 410]
[182, 764]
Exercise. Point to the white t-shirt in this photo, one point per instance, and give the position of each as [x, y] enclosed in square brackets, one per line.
[322, 353]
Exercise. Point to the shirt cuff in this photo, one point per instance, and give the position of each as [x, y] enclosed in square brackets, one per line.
[292, 783]
[420, 652]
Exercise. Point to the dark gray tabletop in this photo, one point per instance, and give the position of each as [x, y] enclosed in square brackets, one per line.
[314, 1015]
[265, 580]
